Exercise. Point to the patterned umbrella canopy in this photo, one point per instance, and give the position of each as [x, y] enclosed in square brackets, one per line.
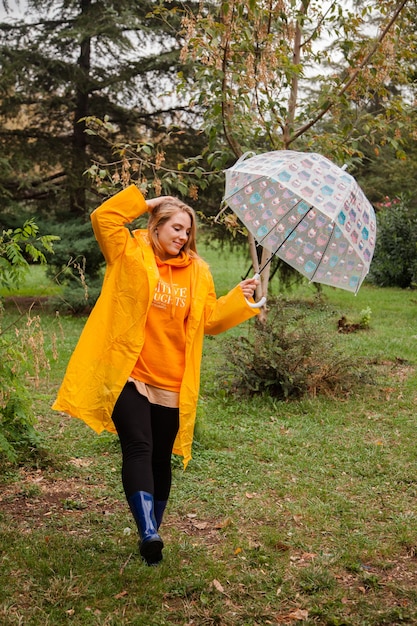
[306, 210]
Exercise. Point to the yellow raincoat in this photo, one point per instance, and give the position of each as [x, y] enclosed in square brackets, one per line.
[113, 336]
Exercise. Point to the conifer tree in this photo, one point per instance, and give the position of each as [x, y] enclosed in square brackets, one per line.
[68, 59]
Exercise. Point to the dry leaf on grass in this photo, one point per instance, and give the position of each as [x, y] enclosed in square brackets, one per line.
[218, 585]
[80, 462]
[200, 525]
[298, 614]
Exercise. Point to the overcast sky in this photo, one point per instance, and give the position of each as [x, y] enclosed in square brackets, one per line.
[15, 8]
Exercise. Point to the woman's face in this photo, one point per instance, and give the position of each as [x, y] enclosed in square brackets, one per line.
[173, 234]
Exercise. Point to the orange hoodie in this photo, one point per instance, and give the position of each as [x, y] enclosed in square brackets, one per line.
[162, 360]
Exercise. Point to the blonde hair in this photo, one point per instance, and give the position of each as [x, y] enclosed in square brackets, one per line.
[162, 213]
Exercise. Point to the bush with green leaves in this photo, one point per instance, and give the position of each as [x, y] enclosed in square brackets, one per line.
[19, 247]
[79, 292]
[292, 355]
[75, 264]
[395, 259]
[20, 349]
[18, 436]
[76, 245]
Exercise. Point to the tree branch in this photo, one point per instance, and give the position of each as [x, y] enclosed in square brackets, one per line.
[354, 75]
[227, 106]
[292, 101]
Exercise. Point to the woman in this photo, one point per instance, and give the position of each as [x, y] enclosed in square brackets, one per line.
[136, 367]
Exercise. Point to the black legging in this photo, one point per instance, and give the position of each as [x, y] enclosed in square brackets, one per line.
[147, 433]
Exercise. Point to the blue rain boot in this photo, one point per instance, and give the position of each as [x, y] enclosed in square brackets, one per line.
[150, 544]
[159, 507]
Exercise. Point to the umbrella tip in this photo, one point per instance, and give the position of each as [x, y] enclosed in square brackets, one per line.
[344, 167]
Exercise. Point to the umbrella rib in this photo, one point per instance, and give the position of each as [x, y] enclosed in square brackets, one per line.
[286, 238]
[324, 251]
[364, 273]
[275, 225]
[236, 191]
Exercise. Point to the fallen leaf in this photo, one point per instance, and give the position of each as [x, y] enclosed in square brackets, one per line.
[224, 523]
[120, 595]
[200, 525]
[281, 546]
[80, 462]
[299, 614]
[218, 586]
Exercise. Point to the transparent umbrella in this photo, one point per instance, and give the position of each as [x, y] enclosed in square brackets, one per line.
[306, 210]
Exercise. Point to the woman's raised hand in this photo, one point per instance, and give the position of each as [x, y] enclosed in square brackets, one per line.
[153, 203]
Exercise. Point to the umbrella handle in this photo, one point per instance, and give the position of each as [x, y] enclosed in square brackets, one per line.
[256, 305]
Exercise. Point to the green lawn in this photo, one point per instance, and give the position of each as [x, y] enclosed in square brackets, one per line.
[36, 283]
[300, 512]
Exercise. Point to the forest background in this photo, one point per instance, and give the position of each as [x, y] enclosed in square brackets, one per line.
[167, 95]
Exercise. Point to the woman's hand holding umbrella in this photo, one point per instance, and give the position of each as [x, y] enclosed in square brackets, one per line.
[248, 287]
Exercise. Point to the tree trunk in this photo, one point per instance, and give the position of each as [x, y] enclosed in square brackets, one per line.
[79, 143]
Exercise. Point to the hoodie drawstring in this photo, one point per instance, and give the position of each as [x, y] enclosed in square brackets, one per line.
[171, 288]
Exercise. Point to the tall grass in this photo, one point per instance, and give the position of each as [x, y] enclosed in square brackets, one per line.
[298, 512]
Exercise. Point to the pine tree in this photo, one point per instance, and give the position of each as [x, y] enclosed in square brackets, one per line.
[68, 59]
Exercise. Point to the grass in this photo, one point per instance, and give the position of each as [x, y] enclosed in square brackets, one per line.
[289, 513]
[36, 283]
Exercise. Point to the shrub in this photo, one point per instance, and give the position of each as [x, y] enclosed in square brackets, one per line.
[76, 244]
[290, 356]
[18, 435]
[395, 259]
[22, 356]
[19, 350]
[76, 264]
[18, 247]
[77, 296]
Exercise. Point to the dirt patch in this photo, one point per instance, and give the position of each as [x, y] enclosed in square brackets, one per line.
[22, 304]
[34, 499]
